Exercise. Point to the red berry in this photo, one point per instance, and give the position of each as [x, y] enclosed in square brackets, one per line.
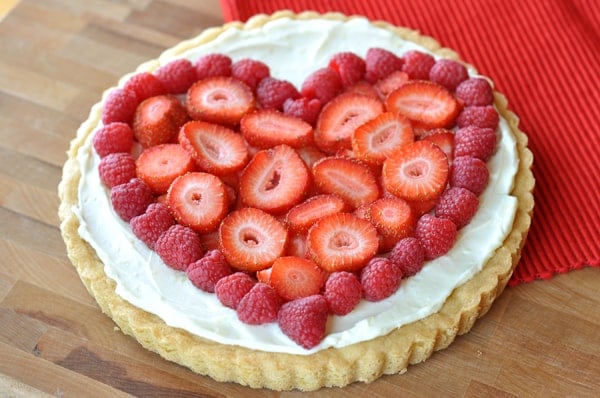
[271, 93]
[436, 235]
[295, 277]
[458, 205]
[116, 169]
[475, 141]
[303, 108]
[206, 272]
[250, 71]
[417, 64]
[444, 139]
[176, 76]
[112, 138]
[260, 305]
[392, 216]
[479, 116]
[302, 216]
[475, 91]
[408, 254]
[323, 84]
[144, 85]
[131, 198]
[158, 119]
[232, 288]
[379, 63]
[267, 128]
[390, 83]
[349, 66]
[380, 279]
[212, 65]
[304, 320]
[343, 292]
[119, 106]
[470, 173]
[152, 223]
[178, 247]
[448, 73]
[159, 165]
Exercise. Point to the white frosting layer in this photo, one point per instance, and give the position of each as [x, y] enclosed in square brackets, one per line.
[293, 49]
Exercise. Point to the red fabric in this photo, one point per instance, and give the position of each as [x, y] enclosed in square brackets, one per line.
[545, 57]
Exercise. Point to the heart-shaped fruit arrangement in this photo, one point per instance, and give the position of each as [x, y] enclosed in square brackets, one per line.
[292, 204]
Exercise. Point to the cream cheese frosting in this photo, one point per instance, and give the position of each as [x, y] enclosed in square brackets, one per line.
[292, 49]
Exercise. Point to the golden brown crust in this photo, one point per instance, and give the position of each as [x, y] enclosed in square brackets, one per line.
[365, 361]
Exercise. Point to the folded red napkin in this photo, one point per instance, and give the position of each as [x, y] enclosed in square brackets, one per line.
[544, 56]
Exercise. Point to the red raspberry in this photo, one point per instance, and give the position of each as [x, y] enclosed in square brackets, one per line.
[250, 71]
[480, 116]
[304, 320]
[119, 106]
[323, 84]
[342, 292]
[232, 288]
[417, 64]
[116, 169]
[144, 85]
[350, 67]
[178, 247]
[448, 73]
[150, 225]
[211, 65]
[475, 141]
[380, 278]
[112, 138]
[475, 91]
[408, 254]
[303, 108]
[271, 93]
[131, 198]
[259, 306]
[176, 76]
[436, 235]
[458, 205]
[470, 173]
[206, 272]
[379, 63]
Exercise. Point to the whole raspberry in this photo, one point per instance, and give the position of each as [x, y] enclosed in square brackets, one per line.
[448, 73]
[379, 63]
[131, 198]
[417, 64]
[475, 141]
[323, 84]
[304, 320]
[380, 278]
[271, 93]
[303, 108]
[250, 71]
[119, 106]
[176, 76]
[350, 67]
[116, 169]
[408, 254]
[470, 173]
[214, 64]
[232, 288]
[206, 272]
[475, 91]
[342, 292]
[260, 305]
[144, 85]
[479, 116]
[152, 223]
[458, 205]
[436, 235]
[112, 138]
[178, 247]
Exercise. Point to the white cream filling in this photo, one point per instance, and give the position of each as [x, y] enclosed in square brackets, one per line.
[293, 49]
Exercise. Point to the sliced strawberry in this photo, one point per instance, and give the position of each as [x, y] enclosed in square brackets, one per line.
[310, 154]
[198, 200]
[305, 214]
[340, 117]
[390, 83]
[219, 99]
[427, 104]
[158, 119]
[393, 217]
[416, 172]
[216, 149]
[296, 245]
[295, 277]
[376, 140]
[267, 128]
[264, 275]
[347, 178]
[364, 88]
[274, 180]
[251, 239]
[444, 139]
[342, 242]
[159, 165]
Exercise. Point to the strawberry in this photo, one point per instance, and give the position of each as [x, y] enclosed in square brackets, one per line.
[264, 275]
[209, 240]
[377, 139]
[340, 117]
[416, 172]
[152, 223]
[295, 277]
[119, 106]
[232, 288]
[144, 85]
[380, 63]
[393, 217]
[459, 205]
[271, 93]
[380, 279]
[198, 200]
[448, 73]
[300, 217]
[251, 239]
[364, 88]
[343, 292]
[158, 119]
[176, 76]
[178, 247]
[421, 207]
[296, 245]
[213, 65]
[304, 320]
[349, 66]
[250, 71]
[342, 242]
[112, 138]
[274, 180]
[475, 141]
[159, 165]
[260, 305]
[444, 139]
[484, 116]
[436, 235]
[307, 109]
[470, 173]
[390, 83]
[323, 84]
[206, 272]
[347, 178]
[266, 128]
[426, 104]
[417, 64]
[310, 155]
[131, 198]
[220, 100]
[408, 254]
[475, 91]
[116, 168]
[216, 149]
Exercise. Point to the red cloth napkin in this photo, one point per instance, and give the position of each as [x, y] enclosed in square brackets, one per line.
[545, 57]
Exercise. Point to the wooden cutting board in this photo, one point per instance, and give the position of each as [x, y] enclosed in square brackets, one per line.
[56, 58]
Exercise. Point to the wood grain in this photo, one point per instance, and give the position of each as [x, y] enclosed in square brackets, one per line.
[56, 58]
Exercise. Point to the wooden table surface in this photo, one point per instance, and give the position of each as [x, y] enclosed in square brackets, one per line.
[56, 58]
